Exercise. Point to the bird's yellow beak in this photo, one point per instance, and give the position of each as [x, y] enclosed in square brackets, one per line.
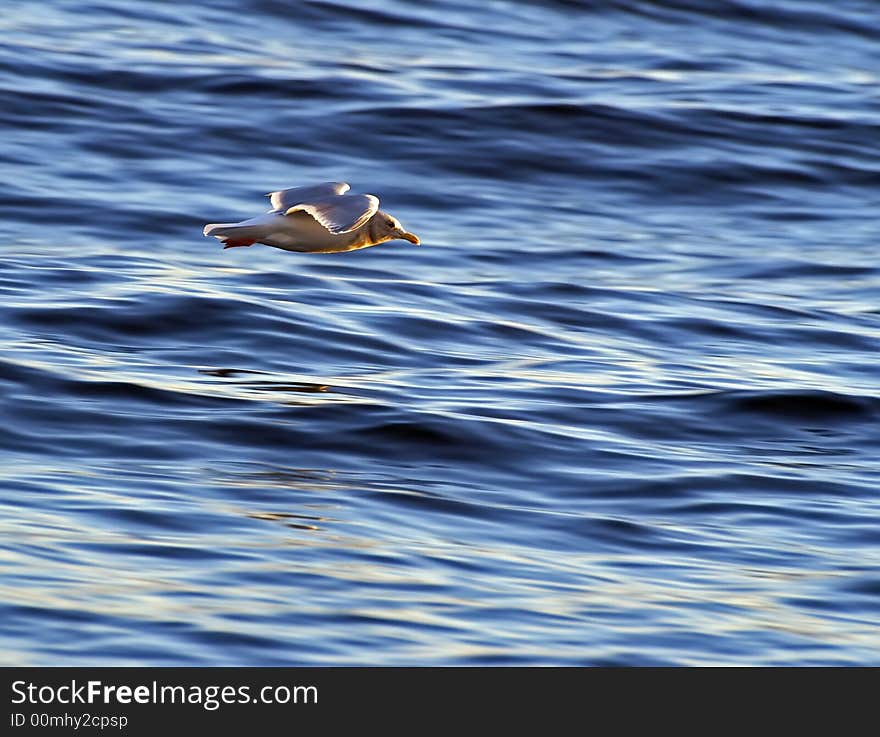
[411, 237]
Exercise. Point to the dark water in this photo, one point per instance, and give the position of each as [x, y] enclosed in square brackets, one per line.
[621, 408]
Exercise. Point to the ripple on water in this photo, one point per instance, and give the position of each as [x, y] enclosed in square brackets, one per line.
[619, 409]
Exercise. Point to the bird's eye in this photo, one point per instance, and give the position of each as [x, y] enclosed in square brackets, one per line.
[389, 223]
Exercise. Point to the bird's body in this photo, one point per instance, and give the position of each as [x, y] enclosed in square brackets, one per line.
[316, 219]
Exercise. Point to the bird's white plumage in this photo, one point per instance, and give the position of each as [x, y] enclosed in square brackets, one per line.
[284, 199]
[341, 214]
[319, 218]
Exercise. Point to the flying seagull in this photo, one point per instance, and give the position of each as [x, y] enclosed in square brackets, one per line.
[320, 218]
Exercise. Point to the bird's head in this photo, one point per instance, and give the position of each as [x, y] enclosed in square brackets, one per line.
[388, 228]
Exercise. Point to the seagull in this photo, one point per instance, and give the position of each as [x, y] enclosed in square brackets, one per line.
[319, 218]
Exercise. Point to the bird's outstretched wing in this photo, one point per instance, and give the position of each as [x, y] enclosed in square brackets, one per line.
[341, 214]
[284, 199]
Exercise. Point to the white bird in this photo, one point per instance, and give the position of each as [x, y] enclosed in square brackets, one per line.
[321, 218]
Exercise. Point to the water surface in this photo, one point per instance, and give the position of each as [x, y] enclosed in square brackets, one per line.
[621, 408]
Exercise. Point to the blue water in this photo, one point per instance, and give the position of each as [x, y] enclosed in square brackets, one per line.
[621, 407]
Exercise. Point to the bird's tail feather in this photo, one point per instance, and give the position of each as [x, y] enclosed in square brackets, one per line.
[221, 230]
[245, 232]
[232, 235]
